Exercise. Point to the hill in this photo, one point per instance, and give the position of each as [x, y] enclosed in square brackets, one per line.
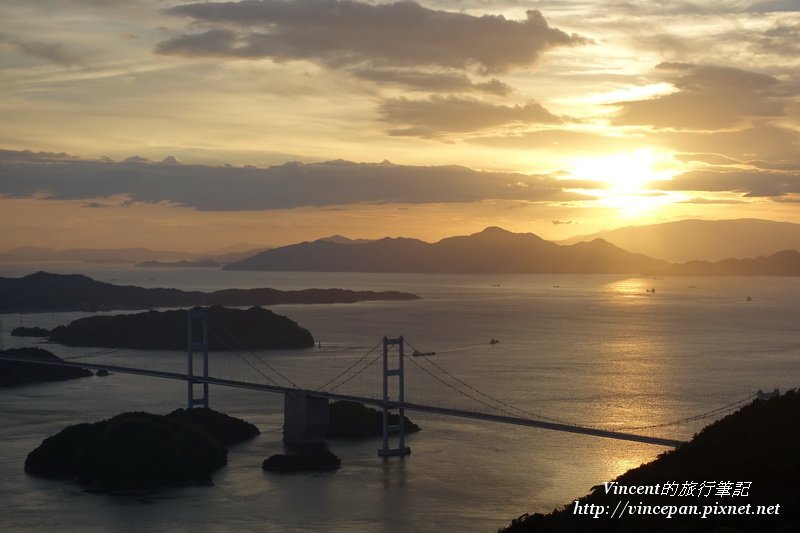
[43, 291]
[493, 250]
[709, 240]
[755, 447]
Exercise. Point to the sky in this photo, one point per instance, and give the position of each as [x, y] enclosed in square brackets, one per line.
[198, 125]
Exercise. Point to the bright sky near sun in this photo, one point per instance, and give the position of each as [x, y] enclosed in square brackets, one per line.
[196, 125]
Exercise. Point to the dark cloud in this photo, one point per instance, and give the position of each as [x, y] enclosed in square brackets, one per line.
[345, 32]
[782, 39]
[451, 82]
[221, 188]
[751, 183]
[55, 53]
[658, 8]
[761, 141]
[560, 222]
[440, 115]
[709, 98]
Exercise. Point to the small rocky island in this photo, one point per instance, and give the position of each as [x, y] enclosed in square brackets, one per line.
[14, 373]
[234, 329]
[30, 332]
[141, 450]
[313, 460]
[352, 420]
[347, 420]
[756, 445]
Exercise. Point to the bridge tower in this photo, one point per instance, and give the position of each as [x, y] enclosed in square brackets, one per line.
[197, 317]
[398, 428]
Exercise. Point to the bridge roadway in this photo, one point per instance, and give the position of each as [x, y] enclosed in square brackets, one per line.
[503, 419]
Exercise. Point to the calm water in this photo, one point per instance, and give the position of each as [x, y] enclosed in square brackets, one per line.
[594, 350]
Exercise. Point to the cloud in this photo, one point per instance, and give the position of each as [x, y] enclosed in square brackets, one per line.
[761, 141]
[709, 98]
[440, 115]
[752, 183]
[55, 53]
[226, 188]
[711, 201]
[559, 140]
[349, 33]
[452, 82]
[710, 159]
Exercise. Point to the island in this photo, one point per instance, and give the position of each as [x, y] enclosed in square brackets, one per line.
[14, 373]
[755, 447]
[183, 263]
[352, 420]
[30, 332]
[141, 450]
[315, 460]
[45, 292]
[231, 330]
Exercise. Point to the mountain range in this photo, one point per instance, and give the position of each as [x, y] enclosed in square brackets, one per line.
[703, 240]
[493, 250]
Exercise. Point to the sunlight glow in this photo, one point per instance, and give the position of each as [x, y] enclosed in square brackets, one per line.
[624, 179]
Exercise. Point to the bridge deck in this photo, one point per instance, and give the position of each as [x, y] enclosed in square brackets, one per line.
[503, 419]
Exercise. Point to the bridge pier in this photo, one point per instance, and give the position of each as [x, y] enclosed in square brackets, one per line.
[198, 314]
[305, 418]
[399, 428]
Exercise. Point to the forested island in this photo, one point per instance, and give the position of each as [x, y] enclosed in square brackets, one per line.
[141, 450]
[45, 292]
[233, 330]
[30, 332]
[756, 445]
[14, 373]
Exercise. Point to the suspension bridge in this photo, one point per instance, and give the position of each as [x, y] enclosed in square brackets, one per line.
[306, 409]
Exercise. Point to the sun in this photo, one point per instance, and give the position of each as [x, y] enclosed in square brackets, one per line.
[623, 180]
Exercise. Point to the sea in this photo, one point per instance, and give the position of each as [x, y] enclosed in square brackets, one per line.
[654, 356]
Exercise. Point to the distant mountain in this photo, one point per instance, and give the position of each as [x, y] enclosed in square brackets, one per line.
[57, 292]
[34, 254]
[494, 250]
[784, 263]
[344, 240]
[709, 240]
[200, 263]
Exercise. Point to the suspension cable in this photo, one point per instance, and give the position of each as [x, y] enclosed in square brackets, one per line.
[492, 398]
[700, 416]
[248, 363]
[357, 373]
[252, 352]
[346, 370]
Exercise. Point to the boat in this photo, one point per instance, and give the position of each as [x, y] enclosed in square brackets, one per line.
[417, 353]
[493, 341]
